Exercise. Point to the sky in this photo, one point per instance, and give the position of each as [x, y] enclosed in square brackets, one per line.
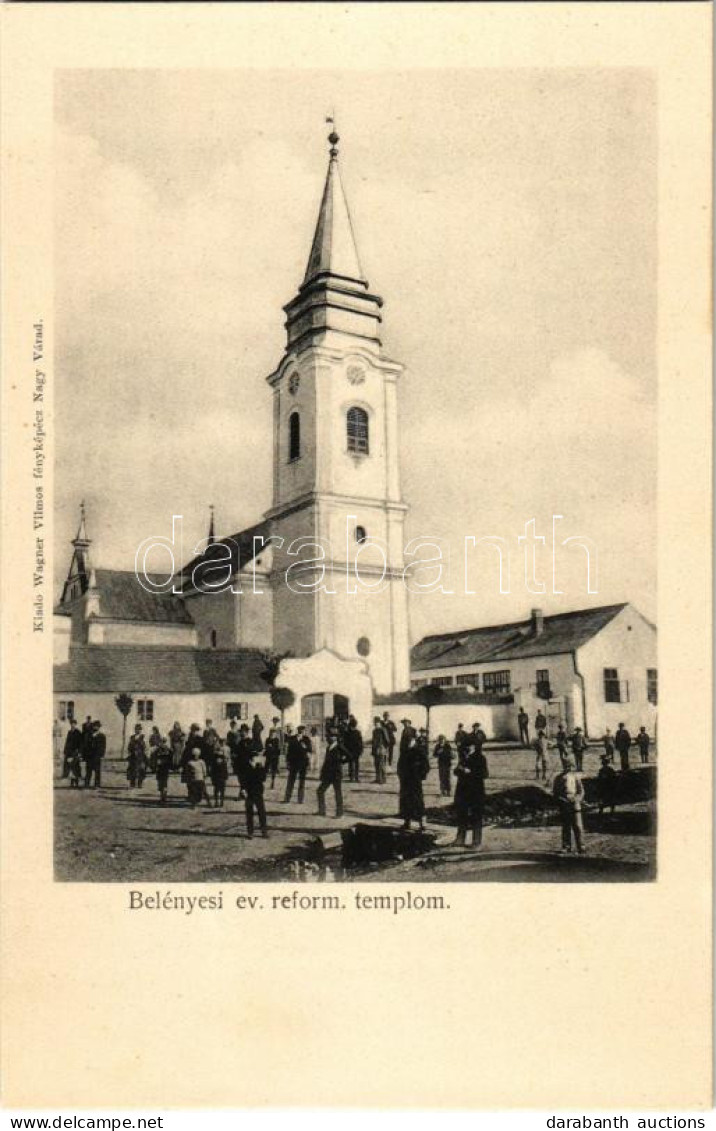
[507, 217]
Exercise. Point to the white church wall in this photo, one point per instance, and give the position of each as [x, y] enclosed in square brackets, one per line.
[215, 612]
[136, 632]
[498, 720]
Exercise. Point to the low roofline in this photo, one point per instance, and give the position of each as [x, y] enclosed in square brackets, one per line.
[519, 623]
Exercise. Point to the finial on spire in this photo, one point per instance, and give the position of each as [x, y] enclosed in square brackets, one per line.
[81, 535]
[333, 137]
[212, 538]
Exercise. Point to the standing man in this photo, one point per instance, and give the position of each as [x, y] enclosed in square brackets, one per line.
[642, 741]
[98, 750]
[379, 750]
[523, 721]
[331, 774]
[541, 748]
[569, 792]
[390, 734]
[561, 741]
[540, 721]
[407, 735]
[413, 767]
[257, 728]
[73, 745]
[176, 744]
[622, 741]
[297, 763]
[471, 773]
[579, 745]
[242, 761]
[163, 762]
[443, 753]
[272, 751]
[255, 776]
[608, 740]
[460, 737]
[354, 746]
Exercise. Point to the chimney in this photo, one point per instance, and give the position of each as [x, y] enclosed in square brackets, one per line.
[537, 622]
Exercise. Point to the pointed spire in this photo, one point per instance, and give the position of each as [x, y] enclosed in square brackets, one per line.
[334, 249]
[212, 537]
[81, 538]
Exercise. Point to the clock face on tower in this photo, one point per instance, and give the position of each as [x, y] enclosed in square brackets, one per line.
[293, 383]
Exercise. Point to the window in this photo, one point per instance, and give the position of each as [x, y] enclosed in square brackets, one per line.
[468, 680]
[441, 681]
[543, 688]
[294, 436]
[357, 426]
[361, 534]
[145, 710]
[496, 683]
[415, 683]
[235, 711]
[213, 638]
[652, 685]
[615, 690]
[67, 710]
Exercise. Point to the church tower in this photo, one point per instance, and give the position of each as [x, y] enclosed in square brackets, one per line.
[336, 480]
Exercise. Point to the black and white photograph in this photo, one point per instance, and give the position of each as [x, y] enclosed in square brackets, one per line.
[355, 476]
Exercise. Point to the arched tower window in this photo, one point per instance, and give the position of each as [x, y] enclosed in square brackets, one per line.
[360, 534]
[294, 436]
[357, 429]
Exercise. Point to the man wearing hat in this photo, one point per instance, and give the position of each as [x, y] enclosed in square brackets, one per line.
[579, 745]
[569, 793]
[407, 735]
[622, 741]
[606, 784]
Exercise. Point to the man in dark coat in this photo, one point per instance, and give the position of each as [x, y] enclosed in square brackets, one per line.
[622, 741]
[354, 745]
[642, 740]
[97, 752]
[471, 772]
[408, 733]
[331, 774]
[579, 745]
[379, 750]
[242, 758]
[256, 731]
[273, 751]
[297, 760]
[254, 778]
[73, 745]
[443, 753]
[390, 732]
[413, 768]
[523, 721]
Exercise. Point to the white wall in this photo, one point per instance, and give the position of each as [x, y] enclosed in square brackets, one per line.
[629, 644]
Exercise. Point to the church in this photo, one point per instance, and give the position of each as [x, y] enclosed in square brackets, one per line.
[319, 580]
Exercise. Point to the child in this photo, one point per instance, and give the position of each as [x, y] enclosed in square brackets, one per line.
[220, 774]
[162, 757]
[196, 778]
[75, 769]
[255, 776]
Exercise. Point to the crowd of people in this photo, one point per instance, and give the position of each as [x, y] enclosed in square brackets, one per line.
[255, 756]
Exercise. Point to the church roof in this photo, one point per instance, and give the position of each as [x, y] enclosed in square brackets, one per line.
[179, 671]
[121, 597]
[562, 632]
[334, 249]
[223, 558]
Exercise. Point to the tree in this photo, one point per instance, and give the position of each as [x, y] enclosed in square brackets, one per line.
[272, 662]
[124, 706]
[282, 698]
[429, 696]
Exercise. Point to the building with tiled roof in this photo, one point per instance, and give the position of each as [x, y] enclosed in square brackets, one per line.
[593, 667]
